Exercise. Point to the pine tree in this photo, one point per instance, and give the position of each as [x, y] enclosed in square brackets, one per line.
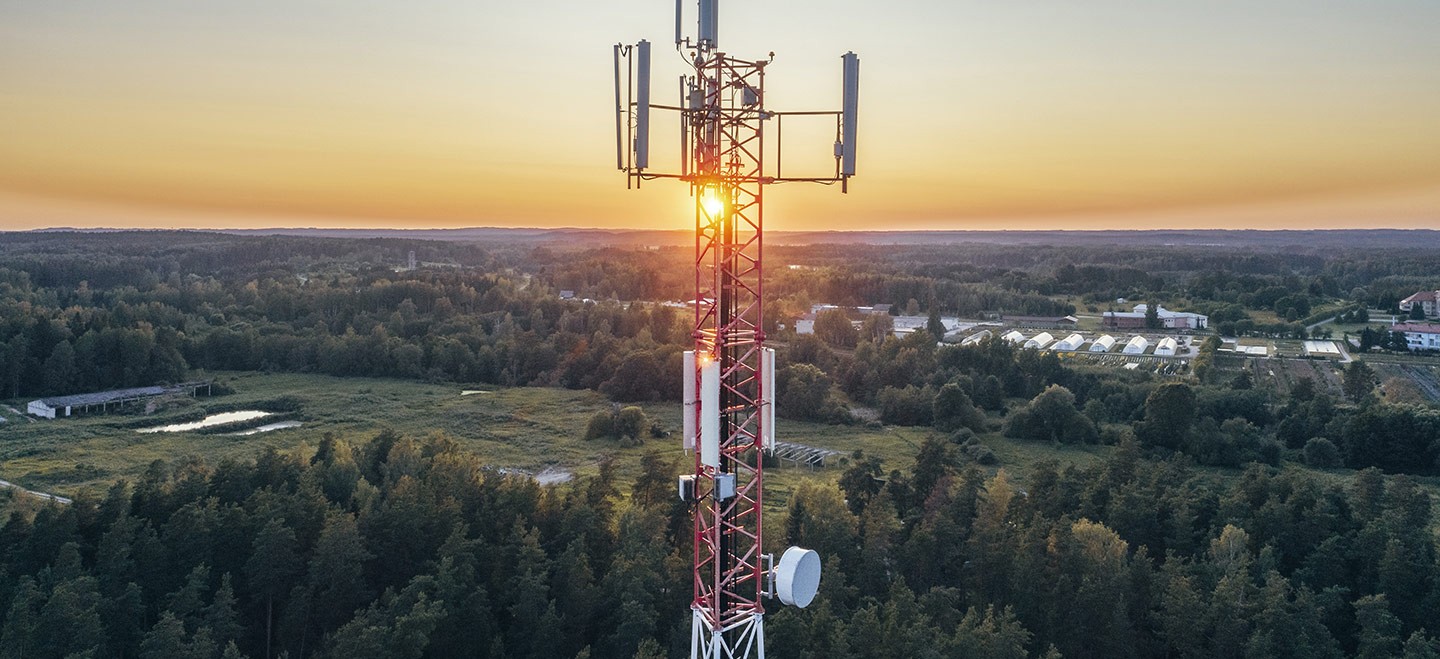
[878, 527]
[166, 639]
[1180, 627]
[1152, 315]
[221, 616]
[21, 620]
[1379, 636]
[337, 578]
[1420, 647]
[70, 621]
[1358, 380]
[934, 325]
[272, 566]
[123, 616]
[188, 602]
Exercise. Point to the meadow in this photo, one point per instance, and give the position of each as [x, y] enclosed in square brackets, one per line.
[535, 430]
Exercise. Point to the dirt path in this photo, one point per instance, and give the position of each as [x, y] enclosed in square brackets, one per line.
[18, 413]
[42, 495]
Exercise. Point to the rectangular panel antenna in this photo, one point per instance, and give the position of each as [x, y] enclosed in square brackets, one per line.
[767, 385]
[710, 22]
[688, 397]
[619, 116]
[710, 414]
[677, 22]
[642, 106]
[849, 107]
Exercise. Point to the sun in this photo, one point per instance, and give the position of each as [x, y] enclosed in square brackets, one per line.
[711, 203]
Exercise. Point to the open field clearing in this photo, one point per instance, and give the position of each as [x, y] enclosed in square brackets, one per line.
[533, 430]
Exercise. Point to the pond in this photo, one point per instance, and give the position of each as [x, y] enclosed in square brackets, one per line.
[212, 420]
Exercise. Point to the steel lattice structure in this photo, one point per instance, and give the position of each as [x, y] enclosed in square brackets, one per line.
[723, 147]
[727, 158]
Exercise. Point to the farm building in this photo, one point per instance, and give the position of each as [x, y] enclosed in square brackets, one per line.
[805, 324]
[1137, 346]
[1420, 336]
[1014, 336]
[101, 401]
[1040, 341]
[905, 325]
[1103, 344]
[1042, 322]
[1426, 300]
[1071, 343]
[1166, 347]
[1168, 319]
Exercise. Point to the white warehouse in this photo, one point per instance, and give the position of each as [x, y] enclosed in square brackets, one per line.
[1137, 346]
[1040, 341]
[1103, 344]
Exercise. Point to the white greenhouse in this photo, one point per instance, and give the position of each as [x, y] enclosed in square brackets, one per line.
[1103, 344]
[1071, 343]
[1137, 346]
[976, 338]
[1040, 341]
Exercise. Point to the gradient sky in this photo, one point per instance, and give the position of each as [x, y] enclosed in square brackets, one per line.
[974, 114]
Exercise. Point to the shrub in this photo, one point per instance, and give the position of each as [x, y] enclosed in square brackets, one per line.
[911, 406]
[1322, 453]
[601, 425]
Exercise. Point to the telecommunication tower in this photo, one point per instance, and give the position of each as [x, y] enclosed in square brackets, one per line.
[729, 376]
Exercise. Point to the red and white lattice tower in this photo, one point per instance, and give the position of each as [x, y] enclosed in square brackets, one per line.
[728, 393]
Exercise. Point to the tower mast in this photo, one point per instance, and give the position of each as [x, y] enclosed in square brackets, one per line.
[729, 375]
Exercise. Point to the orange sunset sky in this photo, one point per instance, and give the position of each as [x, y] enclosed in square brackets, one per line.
[974, 114]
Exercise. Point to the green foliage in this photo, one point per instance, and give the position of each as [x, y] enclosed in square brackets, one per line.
[953, 409]
[862, 480]
[602, 425]
[805, 392]
[833, 327]
[408, 548]
[1051, 416]
[628, 424]
[934, 325]
[1359, 380]
[908, 406]
[1127, 557]
[1322, 453]
[1379, 634]
[1169, 413]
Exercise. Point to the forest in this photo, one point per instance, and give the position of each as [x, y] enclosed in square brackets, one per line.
[1227, 519]
[392, 547]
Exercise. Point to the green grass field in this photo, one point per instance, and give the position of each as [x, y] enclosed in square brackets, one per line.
[529, 429]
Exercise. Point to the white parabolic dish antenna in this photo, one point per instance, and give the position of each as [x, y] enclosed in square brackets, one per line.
[797, 577]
